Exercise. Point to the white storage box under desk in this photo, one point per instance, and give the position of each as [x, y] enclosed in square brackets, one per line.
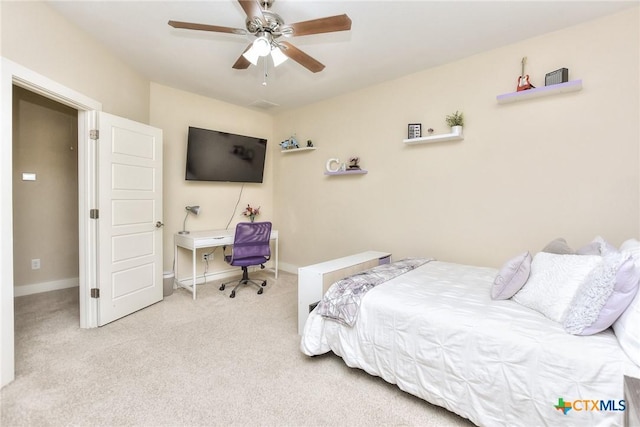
[314, 280]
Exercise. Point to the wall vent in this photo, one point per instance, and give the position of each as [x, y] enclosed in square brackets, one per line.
[263, 104]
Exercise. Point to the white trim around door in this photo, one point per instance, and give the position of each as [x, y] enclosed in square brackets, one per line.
[10, 74]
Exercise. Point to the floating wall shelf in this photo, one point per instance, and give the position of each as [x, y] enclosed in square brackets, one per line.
[347, 172]
[292, 150]
[453, 136]
[572, 86]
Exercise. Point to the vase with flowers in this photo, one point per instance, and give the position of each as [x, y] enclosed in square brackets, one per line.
[252, 213]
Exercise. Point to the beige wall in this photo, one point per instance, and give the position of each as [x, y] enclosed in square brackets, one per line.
[174, 111]
[45, 211]
[37, 37]
[526, 173]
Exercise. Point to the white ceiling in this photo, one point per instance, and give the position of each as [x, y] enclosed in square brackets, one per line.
[388, 39]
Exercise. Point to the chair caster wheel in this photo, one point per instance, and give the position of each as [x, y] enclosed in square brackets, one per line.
[222, 287]
[260, 291]
[233, 294]
[264, 283]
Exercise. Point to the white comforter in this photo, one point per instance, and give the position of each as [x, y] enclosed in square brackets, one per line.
[437, 334]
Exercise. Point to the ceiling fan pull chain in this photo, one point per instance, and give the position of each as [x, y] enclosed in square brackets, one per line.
[264, 81]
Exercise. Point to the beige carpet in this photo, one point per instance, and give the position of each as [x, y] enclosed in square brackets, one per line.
[214, 361]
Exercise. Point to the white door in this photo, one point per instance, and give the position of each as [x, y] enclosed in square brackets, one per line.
[129, 217]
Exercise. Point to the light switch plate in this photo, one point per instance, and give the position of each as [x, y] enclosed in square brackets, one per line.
[28, 176]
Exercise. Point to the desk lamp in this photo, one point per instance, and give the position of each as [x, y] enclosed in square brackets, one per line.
[194, 210]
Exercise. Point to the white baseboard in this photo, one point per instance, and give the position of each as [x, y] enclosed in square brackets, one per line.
[55, 285]
[36, 288]
[289, 268]
[216, 275]
[235, 272]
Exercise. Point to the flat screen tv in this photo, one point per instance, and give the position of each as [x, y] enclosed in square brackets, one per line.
[222, 156]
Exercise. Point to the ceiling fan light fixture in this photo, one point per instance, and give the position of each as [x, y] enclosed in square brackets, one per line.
[267, 27]
[278, 57]
[251, 55]
[262, 46]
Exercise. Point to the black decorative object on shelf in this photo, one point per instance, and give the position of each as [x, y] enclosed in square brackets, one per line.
[354, 163]
[415, 130]
[558, 76]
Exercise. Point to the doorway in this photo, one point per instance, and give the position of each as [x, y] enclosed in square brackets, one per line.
[12, 74]
[133, 149]
[45, 194]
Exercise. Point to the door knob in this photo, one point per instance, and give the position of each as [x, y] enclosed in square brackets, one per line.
[159, 224]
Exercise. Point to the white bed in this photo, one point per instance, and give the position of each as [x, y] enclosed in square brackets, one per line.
[437, 334]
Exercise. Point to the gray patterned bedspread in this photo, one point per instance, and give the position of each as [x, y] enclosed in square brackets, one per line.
[342, 300]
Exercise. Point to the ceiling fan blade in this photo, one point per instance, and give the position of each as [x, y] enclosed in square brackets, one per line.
[242, 63]
[301, 58]
[322, 25]
[205, 27]
[252, 9]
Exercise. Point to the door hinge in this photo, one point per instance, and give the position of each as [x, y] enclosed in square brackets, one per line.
[94, 213]
[94, 134]
[95, 293]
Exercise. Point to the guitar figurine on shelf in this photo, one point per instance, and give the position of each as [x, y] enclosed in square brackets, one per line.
[523, 80]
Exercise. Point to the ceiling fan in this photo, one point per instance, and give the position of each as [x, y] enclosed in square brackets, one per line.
[268, 27]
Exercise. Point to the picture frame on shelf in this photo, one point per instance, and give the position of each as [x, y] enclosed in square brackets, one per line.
[415, 130]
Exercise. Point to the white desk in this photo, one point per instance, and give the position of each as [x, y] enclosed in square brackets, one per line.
[207, 239]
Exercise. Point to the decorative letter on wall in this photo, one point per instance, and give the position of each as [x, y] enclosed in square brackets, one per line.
[328, 165]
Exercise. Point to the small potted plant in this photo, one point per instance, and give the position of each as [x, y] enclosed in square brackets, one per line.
[455, 122]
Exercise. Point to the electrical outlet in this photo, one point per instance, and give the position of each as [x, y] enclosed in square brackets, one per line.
[207, 257]
[35, 264]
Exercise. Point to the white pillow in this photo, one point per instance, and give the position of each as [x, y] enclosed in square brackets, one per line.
[632, 246]
[627, 327]
[627, 330]
[553, 282]
[598, 246]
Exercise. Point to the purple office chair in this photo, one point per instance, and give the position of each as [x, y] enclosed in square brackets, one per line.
[250, 247]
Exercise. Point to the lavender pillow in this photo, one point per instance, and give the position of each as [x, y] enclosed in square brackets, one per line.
[512, 277]
[604, 295]
[558, 246]
[627, 327]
